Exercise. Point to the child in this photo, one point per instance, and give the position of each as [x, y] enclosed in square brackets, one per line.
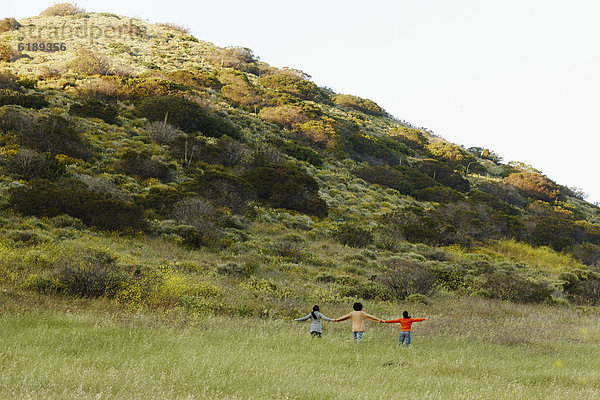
[315, 321]
[405, 323]
[358, 321]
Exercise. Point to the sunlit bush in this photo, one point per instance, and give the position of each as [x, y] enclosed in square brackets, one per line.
[87, 62]
[365, 105]
[286, 116]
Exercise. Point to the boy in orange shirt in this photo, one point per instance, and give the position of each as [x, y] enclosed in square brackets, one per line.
[358, 321]
[405, 324]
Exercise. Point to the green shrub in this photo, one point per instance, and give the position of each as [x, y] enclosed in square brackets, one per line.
[353, 235]
[417, 298]
[27, 164]
[296, 84]
[23, 100]
[587, 253]
[364, 105]
[404, 179]
[42, 284]
[231, 269]
[444, 173]
[186, 115]
[144, 166]
[439, 194]
[413, 224]
[222, 188]
[372, 149]
[27, 237]
[554, 230]
[160, 198]
[69, 196]
[191, 237]
[285, 186]
[87, 62]
[300, 152]
[512, 287]
[92, 108]
[66, 221]
[61, 10]
[495, 203]
[46, 134]
[503, 191]
[367, 291]
[9, 24]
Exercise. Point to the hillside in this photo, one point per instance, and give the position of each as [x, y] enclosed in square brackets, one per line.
[142, 165]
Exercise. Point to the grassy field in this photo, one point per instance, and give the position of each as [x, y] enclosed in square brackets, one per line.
[469, 349]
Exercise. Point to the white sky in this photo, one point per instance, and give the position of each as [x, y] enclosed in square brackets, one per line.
[521, 77]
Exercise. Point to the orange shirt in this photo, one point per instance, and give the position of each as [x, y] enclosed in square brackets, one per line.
[358, 320]
[405, 323]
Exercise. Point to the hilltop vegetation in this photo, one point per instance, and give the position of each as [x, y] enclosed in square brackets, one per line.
[145, 166]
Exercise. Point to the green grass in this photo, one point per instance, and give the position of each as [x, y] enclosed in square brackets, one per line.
[490, 350]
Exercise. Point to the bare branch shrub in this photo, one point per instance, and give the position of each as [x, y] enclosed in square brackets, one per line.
[162, 132]
[408, 278]
[88, 273]
[61, 10]
[197, 212]
[175, 27]
[290, 246]
[100, 184]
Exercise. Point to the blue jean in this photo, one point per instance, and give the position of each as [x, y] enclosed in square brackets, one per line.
[404, 336]
[357, 336]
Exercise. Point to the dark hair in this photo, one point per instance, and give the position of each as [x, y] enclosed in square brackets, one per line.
[357, 306]
[405, 314]
[315, 308]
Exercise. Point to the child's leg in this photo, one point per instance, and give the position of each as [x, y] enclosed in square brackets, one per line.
[357, 336]
[404, 336]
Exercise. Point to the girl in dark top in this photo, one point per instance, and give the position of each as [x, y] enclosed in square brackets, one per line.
[315, 321]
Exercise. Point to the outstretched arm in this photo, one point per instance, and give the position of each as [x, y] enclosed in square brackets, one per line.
[419, 319]
[303, 318]
[392, 321]
[345, 317]
[326, 318]
[372, 318]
